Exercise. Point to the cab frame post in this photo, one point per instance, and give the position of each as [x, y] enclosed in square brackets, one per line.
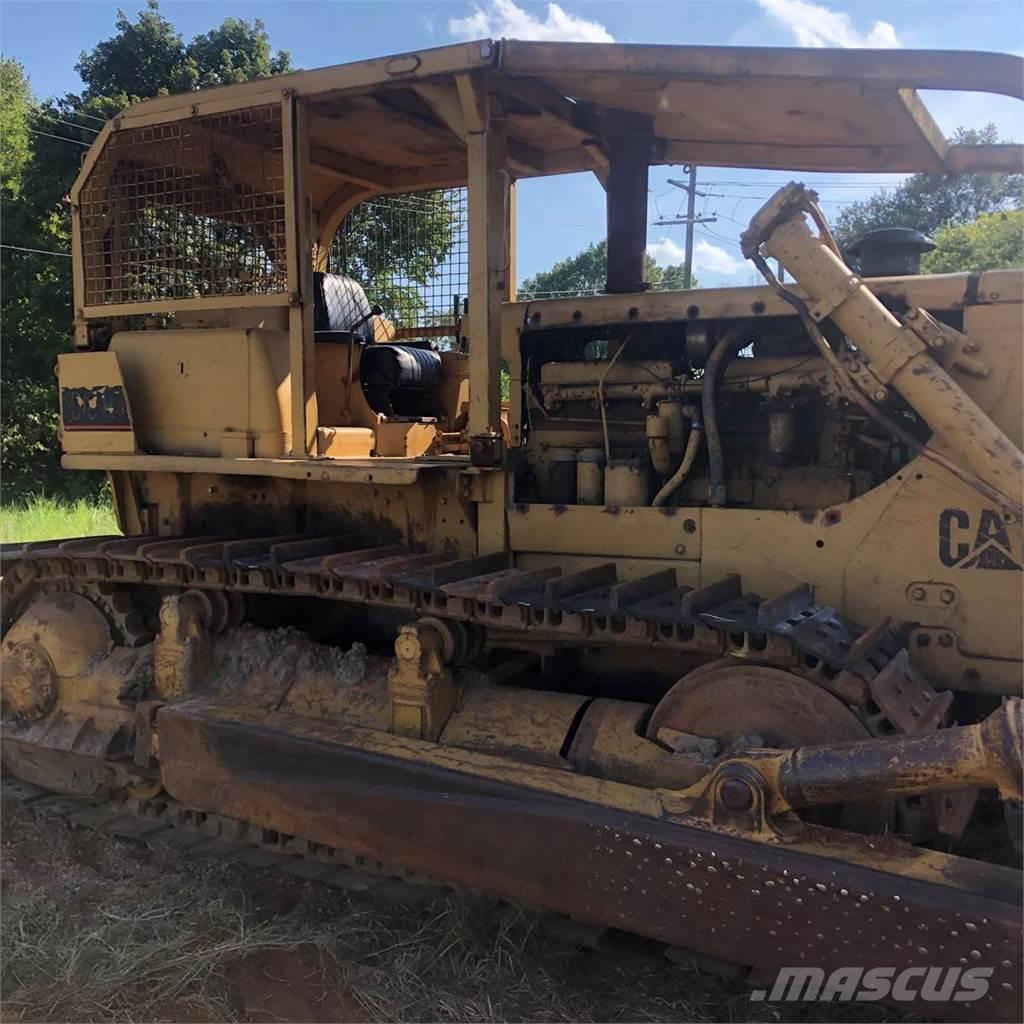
[301, 307]
[490, 263]
[630, 141]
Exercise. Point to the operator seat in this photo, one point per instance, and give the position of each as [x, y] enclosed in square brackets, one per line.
[341, 310]
[397, 380]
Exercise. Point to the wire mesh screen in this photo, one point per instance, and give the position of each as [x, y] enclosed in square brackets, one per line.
[189, 209]
[410, 253]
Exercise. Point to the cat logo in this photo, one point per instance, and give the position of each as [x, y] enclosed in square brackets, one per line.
[985, 544]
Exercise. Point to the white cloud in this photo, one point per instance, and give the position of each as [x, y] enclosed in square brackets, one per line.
[816, 25]
[666, 252]
[707, 258]
[503, 19]
[712, 259]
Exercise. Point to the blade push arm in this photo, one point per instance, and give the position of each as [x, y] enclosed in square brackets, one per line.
[896, 353]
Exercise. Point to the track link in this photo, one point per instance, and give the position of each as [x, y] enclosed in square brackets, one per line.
[868, 669]
[163, 823]
[591, 605]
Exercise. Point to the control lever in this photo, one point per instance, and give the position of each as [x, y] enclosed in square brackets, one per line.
[374, 311]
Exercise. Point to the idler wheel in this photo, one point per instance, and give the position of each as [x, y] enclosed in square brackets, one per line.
[741, 706]
[28, 687]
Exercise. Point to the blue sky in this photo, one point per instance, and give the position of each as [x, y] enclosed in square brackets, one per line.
[558, 217]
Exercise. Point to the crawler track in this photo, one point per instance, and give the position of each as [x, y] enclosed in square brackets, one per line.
[868, 668]
[163, 822]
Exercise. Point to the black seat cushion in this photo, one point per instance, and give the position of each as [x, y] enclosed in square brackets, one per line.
[339, 304]
[401, 380]
[388, 367]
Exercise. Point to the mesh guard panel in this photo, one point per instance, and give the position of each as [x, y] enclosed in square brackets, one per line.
[190, 209]
[410, 253]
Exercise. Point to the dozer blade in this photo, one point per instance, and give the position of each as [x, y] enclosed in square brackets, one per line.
[602, 851]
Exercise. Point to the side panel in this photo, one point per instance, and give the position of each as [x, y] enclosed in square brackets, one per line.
[430, 515]
[95, 411]
[998, 332]
[208, 392]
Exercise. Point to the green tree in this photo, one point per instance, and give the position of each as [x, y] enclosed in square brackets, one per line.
[587, 271]
[143, 58]
[929, 202]
[994, 240]
[15, 105]
[235, 52]
[149, 57]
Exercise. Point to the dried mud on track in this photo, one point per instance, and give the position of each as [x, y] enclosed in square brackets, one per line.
[99, 929]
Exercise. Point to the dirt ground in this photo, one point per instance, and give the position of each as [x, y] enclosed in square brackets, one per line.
[99, 929]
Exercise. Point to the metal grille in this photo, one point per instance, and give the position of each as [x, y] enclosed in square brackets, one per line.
[410, 253]
[193, 208]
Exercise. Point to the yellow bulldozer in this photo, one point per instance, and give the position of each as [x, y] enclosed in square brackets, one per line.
[708, 629]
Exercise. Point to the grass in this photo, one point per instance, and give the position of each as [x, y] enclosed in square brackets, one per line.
[52, 519]
[95, 929]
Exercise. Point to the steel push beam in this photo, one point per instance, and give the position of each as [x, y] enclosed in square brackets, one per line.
[600, 851]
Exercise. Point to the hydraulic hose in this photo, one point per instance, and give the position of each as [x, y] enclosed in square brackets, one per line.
[600, 396]
[729, 344]
[689, 457]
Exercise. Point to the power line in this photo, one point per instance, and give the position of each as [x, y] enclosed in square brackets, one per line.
[62, 138]
[814, 185]
[41, 252]
[70, 124]
[764, 199]
[91, 117]
[720, 238]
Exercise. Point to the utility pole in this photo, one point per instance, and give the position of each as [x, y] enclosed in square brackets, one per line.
[691, 200]
[690, 188]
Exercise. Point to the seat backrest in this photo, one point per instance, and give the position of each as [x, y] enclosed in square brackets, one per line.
[340, 303]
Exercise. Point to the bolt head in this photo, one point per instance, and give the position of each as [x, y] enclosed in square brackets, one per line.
[879, 395]
[918, 593]
[736, 795]
[948, 596]
[407, 646]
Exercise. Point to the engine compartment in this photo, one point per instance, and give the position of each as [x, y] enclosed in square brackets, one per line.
[610, 412]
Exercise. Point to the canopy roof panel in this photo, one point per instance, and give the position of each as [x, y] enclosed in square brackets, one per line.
[397, 122]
